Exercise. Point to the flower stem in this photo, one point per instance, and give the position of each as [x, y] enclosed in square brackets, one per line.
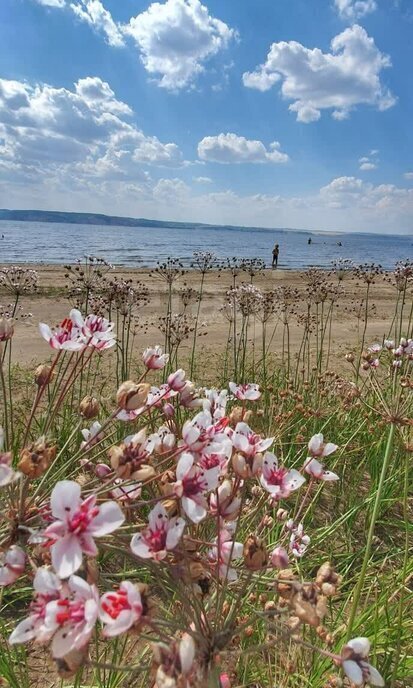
[360, 582]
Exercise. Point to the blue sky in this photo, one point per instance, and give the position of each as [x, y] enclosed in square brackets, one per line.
[288, 113]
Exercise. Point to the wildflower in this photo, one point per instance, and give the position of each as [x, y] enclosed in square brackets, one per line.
[72, 617]
[247, 442]
[6, 329]
[188, 397]
[192, 485]
[7, 474]
[163, 440]
[154, 359]
[247, 392]
[316, 470]
[47, 587]
[67, 336]
[298, 540]
[277, 480]
[176, 380]
[131, 395]
[91, 435]
[124, 490]
[12, 565]
[96, 330]
[215, 403]
[224, 501]
[354, 657]
[79, 521]
[120, 609]
[318, 448]
[224, 552]
[161, 535]
[131, 458]
[279, 558]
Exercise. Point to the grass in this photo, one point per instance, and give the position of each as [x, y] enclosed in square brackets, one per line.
[362, 523]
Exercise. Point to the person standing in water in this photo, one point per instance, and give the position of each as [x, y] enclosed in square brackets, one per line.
[275, 254]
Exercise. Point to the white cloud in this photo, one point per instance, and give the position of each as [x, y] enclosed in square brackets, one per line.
[408, 175]
[51, 3]
[203, 180]
[369, 162]
[339, 80]
[53, 132]
[93, 12]
[354, 9]
[230, 148]
[175, 39]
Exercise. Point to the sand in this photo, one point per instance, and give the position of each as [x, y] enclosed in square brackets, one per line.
[51, 305]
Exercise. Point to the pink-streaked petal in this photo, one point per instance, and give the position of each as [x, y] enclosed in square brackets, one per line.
[313, 467]
[353, 672]
[79, 587]
[329, 476]
[211, 477]
[66, 556]
[294, 480]
[109, 518]
[194, 511]
[124, 621]
[375, 678]
[88, 544]
[158, 517]
[63, 642]
[76, 318]
[46, 582]
[45, 331]
[186, 653]
[64, 499]
[185, 464]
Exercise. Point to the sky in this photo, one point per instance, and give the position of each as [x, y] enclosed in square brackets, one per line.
[271, 113]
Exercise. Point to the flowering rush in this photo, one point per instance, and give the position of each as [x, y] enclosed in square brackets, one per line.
[277, 480]
[247, 392]
[7, 474]
[78, 523]
[161, 535]
[318, 449]
[75, 333]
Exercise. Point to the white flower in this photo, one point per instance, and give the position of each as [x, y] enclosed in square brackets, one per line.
[354, 657]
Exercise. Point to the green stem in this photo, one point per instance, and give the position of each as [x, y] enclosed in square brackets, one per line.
[360, 582]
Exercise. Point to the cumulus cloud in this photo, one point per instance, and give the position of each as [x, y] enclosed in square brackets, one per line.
[369, 162]
[85, 132]
[51, 3]
[230, 148]
[354, 9]
[408, 175]
[176, 38]
[94, 14]
[203, 180]
[339, 80]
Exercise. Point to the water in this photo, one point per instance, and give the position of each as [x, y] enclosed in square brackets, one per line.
[39, 242]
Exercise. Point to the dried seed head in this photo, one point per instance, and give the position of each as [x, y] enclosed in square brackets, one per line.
[36, 458]
[255, 553]
[89, 407]
[131, 395]
[43, 375]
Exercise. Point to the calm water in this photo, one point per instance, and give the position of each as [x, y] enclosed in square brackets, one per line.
[39, 242]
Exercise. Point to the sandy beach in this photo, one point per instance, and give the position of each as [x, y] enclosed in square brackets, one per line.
[51, 304]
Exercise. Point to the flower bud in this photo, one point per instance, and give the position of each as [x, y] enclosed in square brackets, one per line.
[176, 380]
[131, 395]
[279, 558]
[102, 470]
[42, 375]
[255, 553]
[6, 329]
[350, 357]
[89, 407]
[168, 410]
[282, 514]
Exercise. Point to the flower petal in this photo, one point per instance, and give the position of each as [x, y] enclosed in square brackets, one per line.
[353, 672]
[109, 518]
[66, 555]
[64, 499]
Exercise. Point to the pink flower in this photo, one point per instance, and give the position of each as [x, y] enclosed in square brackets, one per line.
[354, 656]
[277, 480]
[154, 359]
[198, 432]
[125, 491]
[224, 552]
[67, 336]
[47, 587]
[72, 618]
[216, 403]
[176, 380]
[161, 535]
[225, 501]
[247, 392]
[120, 609]
[318, 448]
[96, 330]
[13, 565]
[92, 435]
[7, 474]
[79, 521]
[247, 442]
[186, 653]
[192, 486]
[316, 470]
[224, 681]
[279, 558]
[298, 541]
